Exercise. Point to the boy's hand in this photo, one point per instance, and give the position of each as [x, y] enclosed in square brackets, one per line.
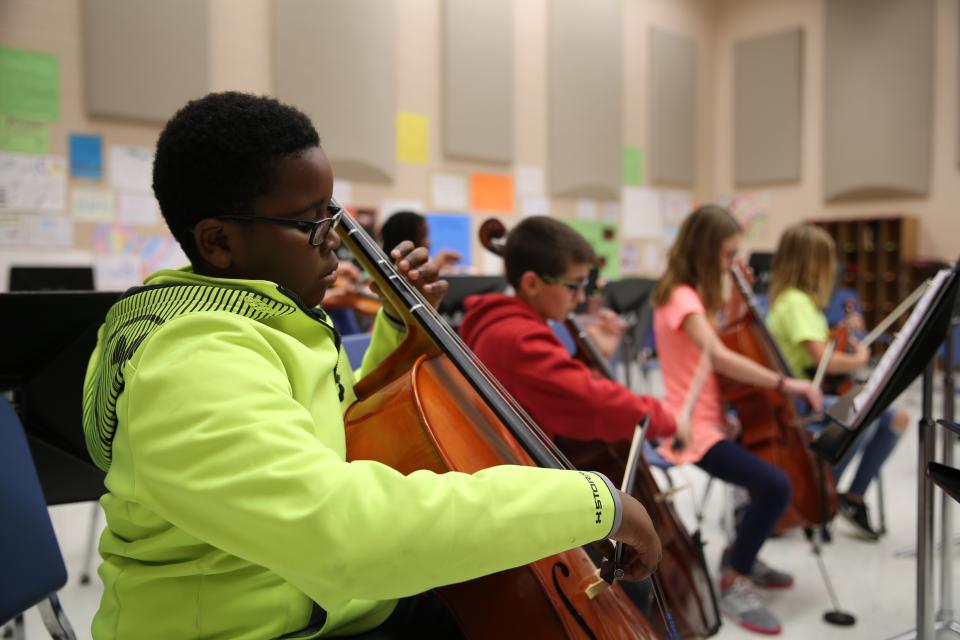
[642, 551]
[414, 265]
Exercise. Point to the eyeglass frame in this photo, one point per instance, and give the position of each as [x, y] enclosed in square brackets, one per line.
[574, 287]
[311, 226]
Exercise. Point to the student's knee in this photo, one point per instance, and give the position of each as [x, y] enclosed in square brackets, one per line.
[777, 489]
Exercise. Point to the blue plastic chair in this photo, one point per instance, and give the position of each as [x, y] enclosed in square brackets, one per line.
[30, 557]
[355, 345]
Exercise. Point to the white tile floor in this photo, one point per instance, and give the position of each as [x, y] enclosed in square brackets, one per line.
[873, 581]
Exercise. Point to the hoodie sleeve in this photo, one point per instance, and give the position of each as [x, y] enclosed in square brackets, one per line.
[240, 466]
[563, 394]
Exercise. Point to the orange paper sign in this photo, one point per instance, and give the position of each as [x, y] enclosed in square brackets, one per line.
[491, 192]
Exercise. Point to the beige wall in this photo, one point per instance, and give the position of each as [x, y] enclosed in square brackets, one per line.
[938, 214]
[241, 59]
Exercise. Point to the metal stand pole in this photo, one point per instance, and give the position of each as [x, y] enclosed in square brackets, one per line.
[946, 624]
[926, 449]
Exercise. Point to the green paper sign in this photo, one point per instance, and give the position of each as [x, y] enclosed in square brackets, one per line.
[24, 137]
[632, 166]
[603, 237]
[29, 85]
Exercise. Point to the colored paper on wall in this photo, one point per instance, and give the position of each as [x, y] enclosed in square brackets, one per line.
[91, 205]
[491, 192]
[32, 182]
[29, 85]
[49, 231]
[449, 191]
[24, 136]
[86, 156]
[413, 139]
[641, 213]
[632, 166]
[451, 232]
[529, 182]
[603, 237]
[131, 168]
[12, 230]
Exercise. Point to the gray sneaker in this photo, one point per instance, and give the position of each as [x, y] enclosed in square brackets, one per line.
[762, 574]
[740, 603]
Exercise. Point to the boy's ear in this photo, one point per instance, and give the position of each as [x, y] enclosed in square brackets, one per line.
[529, 283]
[213, 243]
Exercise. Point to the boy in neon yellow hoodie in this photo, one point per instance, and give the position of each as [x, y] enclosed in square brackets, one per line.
[214, 402]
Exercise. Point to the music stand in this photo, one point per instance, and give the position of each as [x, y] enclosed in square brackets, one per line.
[47, 339]
[630, 297]
[911, 353]
[463, 286]
[24, 278]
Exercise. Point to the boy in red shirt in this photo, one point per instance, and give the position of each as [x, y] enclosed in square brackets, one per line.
[547, 264]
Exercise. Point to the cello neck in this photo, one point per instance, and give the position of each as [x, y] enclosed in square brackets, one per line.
[437, 336]
[753, 311]
[586, 349]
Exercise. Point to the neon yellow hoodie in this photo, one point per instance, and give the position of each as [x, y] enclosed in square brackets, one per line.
[216, 407]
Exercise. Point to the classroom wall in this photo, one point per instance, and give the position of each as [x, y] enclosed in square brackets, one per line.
[937, 212]
[241, 58]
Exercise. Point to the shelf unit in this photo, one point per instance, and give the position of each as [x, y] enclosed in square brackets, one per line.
[872, 253]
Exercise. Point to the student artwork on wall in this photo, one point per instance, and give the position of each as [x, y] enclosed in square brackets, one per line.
[491, 192]
[32, 182]
[604, 238]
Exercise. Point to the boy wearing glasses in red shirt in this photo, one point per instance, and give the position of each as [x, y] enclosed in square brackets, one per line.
[548, 264]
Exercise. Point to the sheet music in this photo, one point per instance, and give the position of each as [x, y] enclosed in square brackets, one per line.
[867, 395]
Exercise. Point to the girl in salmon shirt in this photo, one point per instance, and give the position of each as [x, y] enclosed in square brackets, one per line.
[687, 301]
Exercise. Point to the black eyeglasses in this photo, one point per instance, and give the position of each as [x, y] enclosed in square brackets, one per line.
[319, 230]
[574, 286]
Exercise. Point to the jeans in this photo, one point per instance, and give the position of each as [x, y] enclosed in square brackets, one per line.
[769, 490]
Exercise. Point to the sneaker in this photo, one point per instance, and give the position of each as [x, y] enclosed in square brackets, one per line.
[762, 574]
[740, 603]
[854, 511]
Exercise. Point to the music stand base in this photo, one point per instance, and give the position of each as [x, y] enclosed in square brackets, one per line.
[839, 618]
[943, 630]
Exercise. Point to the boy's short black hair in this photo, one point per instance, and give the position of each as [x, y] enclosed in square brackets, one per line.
[403, 225]
[215, 156]
[545, 246]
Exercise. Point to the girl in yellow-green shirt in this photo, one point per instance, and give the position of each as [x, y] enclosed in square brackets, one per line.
[803, 274]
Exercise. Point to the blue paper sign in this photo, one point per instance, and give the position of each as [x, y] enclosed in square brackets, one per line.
[86, 156]
[451, 231]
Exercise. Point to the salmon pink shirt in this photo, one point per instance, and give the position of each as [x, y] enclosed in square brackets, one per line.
[679, 358]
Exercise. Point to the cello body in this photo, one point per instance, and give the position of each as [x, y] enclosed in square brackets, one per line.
[772, 429]
[426, 410]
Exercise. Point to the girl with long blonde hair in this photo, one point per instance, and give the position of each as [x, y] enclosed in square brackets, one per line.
[687, 301]
[804, 270]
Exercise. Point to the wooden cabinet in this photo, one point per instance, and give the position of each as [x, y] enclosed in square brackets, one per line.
[872, 253]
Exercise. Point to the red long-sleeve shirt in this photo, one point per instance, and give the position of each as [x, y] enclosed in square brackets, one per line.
[562, 394]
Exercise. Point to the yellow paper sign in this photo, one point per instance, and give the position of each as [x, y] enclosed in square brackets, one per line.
[412, 137]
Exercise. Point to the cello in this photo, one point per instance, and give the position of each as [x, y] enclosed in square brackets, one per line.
[771, 424]
[688, 589]
[431, 405]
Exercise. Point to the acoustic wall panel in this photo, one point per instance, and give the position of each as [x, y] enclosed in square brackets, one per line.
[768, 101]
[878, 97]
[673, 108]
[335, 60]
[478, 79]
[586, 110]
[144, 59]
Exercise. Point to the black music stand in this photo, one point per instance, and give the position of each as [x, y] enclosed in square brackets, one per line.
[902, 363]
[46, 339]
[461, 287]
[911, 353]
[24, 278]
[630, 297]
